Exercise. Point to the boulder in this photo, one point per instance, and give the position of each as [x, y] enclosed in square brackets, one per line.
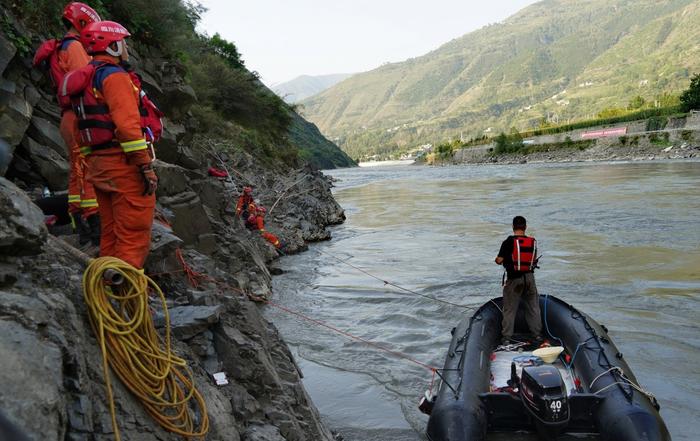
[7, 52]
[32, 95]
[51, 165]
[46, 133]
[171, 179]
[30, 380]
[15, 114]
[22, 229]
[48, 110]
[6, 151]
[170, 149]
[164, 243]
[263, 433]
[178, 96]
[213, 193]
[190, 220]
[21, 169]
[188, 321]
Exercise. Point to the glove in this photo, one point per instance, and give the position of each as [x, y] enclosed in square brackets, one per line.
[150, 180]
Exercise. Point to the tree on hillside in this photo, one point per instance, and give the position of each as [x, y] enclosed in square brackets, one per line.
[509, 143]
[226, 50]
[690, 99]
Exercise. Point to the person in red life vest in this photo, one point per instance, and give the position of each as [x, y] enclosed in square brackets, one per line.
[518, 255]
[245, 199]
[61, 57]
[260, 221]
[106, 100]
[251, 220]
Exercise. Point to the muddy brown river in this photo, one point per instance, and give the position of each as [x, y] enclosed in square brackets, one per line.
[621, 242]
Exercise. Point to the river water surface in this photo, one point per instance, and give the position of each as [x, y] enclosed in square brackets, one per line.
[621, 242]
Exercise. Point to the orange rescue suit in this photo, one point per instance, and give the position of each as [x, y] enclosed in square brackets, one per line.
[266, 235]
[81, 193]
[243, 201]
[126, 213]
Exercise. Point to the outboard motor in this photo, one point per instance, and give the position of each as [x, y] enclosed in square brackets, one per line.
[543, 394]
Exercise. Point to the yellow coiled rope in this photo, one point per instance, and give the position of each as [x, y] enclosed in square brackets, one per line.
[124, 329]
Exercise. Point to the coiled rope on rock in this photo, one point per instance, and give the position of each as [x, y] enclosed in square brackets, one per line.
[137, 354]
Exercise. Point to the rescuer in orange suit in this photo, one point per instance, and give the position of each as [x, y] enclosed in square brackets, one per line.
[260, 221]
[244, 200]
[119, 163]
[70, 55]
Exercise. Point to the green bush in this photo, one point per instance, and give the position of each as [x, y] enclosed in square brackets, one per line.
[690, 99]
[511, 143]
[656, 123]
[444, 150]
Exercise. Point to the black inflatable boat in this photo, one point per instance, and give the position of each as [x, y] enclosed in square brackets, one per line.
[589, 389]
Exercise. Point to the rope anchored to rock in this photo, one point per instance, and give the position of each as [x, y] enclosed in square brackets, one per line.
[137, 354]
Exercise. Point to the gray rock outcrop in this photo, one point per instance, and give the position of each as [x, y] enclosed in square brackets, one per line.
[22, 229]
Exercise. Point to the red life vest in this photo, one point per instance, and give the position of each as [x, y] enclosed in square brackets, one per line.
[524, 253]
[46, 58]
[151, 115]
[83, 87]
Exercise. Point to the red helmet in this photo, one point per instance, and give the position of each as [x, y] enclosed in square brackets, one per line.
[97, 36]
[262, 210]
[248, 190]
[80, 15]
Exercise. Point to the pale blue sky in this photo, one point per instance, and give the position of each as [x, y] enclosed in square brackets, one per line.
[282, 39]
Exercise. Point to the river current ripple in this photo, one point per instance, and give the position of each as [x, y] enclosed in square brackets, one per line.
[621, 241]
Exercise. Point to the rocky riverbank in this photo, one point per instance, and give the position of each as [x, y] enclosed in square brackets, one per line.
[51, 380]
[601, 151]
[680, 140]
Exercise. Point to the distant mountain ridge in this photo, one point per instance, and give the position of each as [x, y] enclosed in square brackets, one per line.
[305, 86]
[555, 60]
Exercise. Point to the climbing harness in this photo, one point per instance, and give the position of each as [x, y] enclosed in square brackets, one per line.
[137, 354]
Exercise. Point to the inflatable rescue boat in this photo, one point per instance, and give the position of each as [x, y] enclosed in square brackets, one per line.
[587, 389]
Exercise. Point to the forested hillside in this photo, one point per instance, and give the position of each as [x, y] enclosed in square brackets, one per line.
[553, 62]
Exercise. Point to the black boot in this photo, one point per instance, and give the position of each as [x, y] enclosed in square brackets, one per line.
[94, 223]
[82, 228]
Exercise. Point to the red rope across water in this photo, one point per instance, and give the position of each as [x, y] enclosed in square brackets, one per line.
[195, 277]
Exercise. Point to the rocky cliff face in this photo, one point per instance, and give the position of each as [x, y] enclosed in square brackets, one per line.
[51, 381]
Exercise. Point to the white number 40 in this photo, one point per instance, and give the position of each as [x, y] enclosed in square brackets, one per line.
[555, 406]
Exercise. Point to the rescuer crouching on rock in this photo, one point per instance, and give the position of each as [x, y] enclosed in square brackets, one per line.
[106, 102]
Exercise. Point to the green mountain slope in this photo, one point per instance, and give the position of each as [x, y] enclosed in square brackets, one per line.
[556, 59]
[315, 148]
[305, 86]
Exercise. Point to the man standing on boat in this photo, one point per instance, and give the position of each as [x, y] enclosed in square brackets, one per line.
[518, 255]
